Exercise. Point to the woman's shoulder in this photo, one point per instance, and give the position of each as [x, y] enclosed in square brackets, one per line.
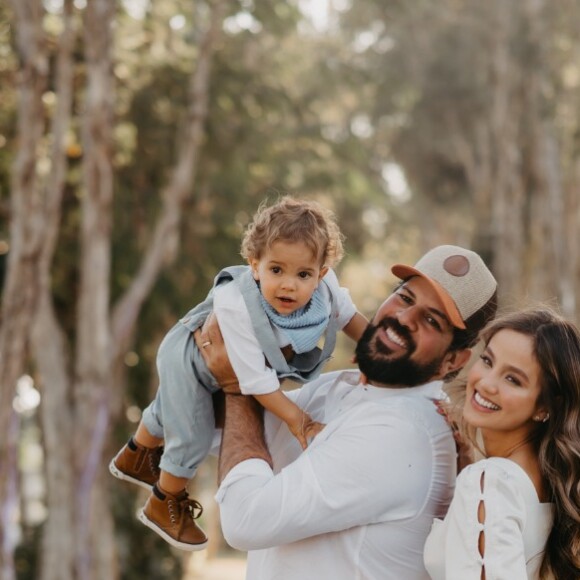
[499, 475]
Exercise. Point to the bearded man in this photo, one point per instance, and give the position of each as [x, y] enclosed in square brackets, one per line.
[360, 500]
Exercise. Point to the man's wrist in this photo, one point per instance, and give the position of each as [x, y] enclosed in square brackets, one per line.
[231, 387]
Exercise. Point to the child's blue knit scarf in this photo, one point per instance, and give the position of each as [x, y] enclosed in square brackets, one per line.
[304, 326]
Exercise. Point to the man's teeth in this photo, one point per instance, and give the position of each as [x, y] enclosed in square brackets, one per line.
[394, 337]
[485, 403]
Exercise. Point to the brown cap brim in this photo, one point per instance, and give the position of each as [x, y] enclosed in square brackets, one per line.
[403, 272]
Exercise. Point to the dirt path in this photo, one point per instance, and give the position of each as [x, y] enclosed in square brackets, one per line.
[228, 568]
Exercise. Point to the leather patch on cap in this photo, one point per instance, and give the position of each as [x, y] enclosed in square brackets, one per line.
[456, 265]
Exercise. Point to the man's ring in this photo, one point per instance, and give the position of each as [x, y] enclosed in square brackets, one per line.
[207, 343]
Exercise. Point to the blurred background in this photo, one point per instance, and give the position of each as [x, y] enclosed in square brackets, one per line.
[137, 138]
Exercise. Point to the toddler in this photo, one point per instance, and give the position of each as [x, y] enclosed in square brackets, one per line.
[272, 313]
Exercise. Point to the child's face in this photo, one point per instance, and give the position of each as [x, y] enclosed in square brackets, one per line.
[288, 273]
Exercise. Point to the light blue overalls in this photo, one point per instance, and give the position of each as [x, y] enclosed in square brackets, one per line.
[182, 411]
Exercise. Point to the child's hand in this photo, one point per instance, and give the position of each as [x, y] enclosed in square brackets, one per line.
[312, 429]
[305, 428]
[465, 451]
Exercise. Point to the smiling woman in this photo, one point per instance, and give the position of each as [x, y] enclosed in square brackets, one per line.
[518, 510]
[503, 392]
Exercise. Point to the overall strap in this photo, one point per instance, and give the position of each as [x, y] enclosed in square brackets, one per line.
[260, 321]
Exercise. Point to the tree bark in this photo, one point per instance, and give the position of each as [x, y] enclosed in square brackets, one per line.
[92, 366]
[20, 290]
[49, 343]
[77, 394]
[547, 226]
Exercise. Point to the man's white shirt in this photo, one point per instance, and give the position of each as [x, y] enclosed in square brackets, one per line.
[359, 502]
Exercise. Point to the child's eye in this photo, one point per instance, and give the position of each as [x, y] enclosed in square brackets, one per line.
[275, 269]
[305, 275]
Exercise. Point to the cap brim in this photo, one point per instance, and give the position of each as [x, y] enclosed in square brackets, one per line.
[403, 272]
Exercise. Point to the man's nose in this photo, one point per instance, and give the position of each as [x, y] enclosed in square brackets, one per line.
[408, 317]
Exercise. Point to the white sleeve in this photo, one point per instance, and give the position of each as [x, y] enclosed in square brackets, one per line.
[345, 306]
[242, 346]
[503, 526]
[353, 473]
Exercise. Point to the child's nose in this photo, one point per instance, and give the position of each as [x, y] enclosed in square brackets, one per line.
[288, 282]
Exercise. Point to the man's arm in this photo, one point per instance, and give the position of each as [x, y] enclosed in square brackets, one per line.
[243, 434]
[353, 474]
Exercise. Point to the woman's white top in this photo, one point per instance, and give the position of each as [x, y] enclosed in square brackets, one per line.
[516, 526]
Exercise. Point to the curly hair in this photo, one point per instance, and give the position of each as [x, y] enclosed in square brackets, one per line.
[294, 220]
[556, 348]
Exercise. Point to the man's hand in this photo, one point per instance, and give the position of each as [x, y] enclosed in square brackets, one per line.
[210, 342]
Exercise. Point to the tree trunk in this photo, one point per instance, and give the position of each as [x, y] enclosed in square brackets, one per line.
[50, 348]
[77, 395]
[20, 288]
[547, 227]
[92, 382]
[507, 188]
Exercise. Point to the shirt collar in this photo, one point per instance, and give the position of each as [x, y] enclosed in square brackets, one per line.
[431, 390]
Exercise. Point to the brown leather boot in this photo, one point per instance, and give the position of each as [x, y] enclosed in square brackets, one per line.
[137, 464]
[173, 518]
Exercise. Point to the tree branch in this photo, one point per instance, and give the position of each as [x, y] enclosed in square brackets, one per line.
[165, 239]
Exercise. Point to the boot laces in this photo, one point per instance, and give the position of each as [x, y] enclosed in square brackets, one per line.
[154, 457]
[184, 507]
[191, 507]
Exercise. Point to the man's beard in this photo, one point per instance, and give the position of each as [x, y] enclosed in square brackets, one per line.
[371, 355]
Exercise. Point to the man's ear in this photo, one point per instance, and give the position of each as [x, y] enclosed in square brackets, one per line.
[454, 361]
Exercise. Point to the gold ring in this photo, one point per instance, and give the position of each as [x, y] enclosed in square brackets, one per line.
[206, 344]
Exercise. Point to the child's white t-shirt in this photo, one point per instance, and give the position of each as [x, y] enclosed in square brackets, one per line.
[243, 348]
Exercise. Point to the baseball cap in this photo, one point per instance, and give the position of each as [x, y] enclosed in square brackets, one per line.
[462, 281]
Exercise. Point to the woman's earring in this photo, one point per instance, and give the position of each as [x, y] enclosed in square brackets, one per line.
[543, 419]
